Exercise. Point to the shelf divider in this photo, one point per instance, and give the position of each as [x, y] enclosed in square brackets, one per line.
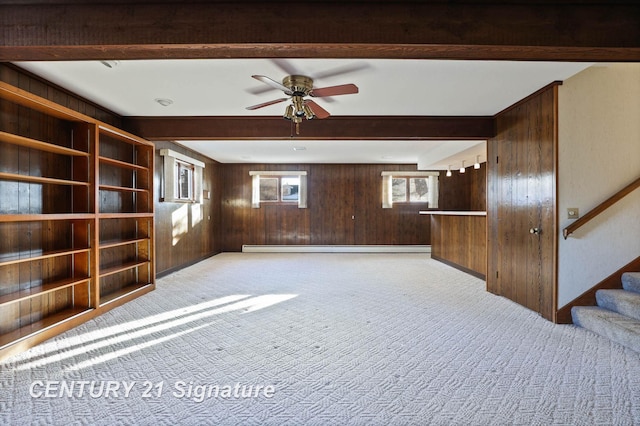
[123, 164]
[123, 292]
[40, 179]
[121, 188]
[40, 290]
[46, 255]
[118, 243]
[39, 326]
[40, 145]
[121, 268]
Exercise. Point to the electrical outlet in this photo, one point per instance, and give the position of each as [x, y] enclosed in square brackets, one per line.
[573, 213]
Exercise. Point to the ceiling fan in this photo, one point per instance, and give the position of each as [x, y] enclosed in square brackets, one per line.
[297, 87]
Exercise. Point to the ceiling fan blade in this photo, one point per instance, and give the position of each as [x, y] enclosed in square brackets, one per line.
[343, 89]
[341, 70]
[318, 111]
[264, 104]
[285, 66]
[273, 83]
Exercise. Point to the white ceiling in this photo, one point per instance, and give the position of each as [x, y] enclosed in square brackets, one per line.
[224, 87]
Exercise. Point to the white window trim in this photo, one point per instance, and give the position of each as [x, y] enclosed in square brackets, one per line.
[169, 184]
[255, 185]
[387, 177]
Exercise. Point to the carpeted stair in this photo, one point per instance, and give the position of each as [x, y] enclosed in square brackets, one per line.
[617, 315]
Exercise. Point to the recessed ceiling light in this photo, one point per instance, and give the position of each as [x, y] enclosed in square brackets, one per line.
[299, 148]
[164, 101]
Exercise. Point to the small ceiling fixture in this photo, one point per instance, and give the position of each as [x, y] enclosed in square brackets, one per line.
[462, 170]
[477, 163]
[449, 171]
[299, 148]
[164, 101]
[110, 64]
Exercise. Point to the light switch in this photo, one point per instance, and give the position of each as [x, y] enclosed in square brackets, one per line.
[573, 213]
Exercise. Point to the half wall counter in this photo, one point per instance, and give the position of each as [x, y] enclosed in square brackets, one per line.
[459, 239]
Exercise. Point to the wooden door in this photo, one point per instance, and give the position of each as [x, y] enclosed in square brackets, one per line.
[521, 218]
[332, 187]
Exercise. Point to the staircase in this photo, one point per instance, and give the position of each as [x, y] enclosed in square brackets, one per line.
[617, 315]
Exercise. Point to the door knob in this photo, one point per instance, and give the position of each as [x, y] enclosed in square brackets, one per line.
[536, 231]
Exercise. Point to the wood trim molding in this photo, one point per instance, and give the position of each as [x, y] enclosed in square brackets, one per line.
[311, 50]
[342, 127]
[535, 94]
[588, 298]
[459, 267]
[531, 30]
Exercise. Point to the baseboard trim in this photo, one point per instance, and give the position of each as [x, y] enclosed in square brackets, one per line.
[247, 248]
[460, 267]
[588, 298]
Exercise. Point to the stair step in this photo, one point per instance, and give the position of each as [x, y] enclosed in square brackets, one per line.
[621, 301]
[631, 281]
[618, 328]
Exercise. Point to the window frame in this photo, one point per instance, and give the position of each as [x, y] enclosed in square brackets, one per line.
[387, 188]
[407, 190]
[279, 190]
[170, 190]
[258, 175]
[190, 169]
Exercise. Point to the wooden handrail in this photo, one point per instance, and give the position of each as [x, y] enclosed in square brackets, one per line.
[601, 207]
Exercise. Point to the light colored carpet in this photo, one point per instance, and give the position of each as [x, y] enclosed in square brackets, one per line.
[343, 339]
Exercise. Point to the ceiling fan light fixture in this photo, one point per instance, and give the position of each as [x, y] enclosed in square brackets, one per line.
[297, 87]
[308, 112]
[288, 113]
[298, 105]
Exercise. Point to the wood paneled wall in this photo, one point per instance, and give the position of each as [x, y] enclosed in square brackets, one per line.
[460, 241]
[521, 198]
[186, 232]
[344, 207]
[464, 191]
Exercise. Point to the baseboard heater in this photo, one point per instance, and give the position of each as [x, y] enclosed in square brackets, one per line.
[336, 249]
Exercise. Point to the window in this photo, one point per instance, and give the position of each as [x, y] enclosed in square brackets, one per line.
[279, 187]
[409, 187]
[182, 178]
[290, 186]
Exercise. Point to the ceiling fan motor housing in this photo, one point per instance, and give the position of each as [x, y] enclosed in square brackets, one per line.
[300, 85]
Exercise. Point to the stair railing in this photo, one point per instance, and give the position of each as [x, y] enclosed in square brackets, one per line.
[601, 207]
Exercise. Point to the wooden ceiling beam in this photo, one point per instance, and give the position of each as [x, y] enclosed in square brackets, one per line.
[534, 30]
[338, 127]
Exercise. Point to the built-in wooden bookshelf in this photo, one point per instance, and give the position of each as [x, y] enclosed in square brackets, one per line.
[76, 218]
